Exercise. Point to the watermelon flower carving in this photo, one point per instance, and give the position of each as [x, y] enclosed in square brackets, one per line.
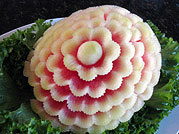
[94, 69]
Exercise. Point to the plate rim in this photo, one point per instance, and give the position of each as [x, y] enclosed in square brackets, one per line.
[9, 33]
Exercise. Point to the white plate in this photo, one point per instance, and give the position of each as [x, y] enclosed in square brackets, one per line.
[24, 27]
[169, 125]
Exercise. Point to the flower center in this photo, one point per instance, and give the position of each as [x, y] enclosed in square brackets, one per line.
[89, 52]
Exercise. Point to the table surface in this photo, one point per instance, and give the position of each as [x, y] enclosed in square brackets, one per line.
[16, 13]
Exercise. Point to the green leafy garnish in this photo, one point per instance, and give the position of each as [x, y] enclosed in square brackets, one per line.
[13, 53]
[14, 88]
[24, 121]
[166, 93]
[22, 114]
[9, 94]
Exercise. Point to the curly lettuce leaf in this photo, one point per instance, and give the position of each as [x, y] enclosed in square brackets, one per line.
[14, 51]
[24, 121]
[22, 114]
[8, 93]
[166, 93]
[14, 88]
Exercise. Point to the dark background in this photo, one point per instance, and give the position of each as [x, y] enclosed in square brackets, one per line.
[16, 13]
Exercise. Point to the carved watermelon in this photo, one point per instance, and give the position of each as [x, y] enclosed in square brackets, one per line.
[93, 69]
